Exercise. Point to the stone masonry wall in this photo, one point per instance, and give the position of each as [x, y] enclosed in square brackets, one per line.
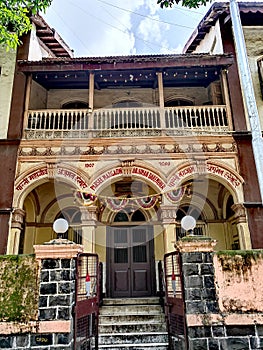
[56, 301]
[209, 327]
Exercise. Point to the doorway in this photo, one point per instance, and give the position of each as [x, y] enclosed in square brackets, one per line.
[130, 261]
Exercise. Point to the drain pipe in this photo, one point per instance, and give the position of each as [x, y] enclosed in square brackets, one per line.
[248, 91]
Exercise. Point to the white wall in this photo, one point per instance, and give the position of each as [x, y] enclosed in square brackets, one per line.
[7, 64]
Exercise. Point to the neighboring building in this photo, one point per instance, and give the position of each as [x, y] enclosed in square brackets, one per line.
[41, 42]
[214, 35]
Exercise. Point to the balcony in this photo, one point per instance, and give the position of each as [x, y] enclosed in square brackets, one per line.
[128, 122]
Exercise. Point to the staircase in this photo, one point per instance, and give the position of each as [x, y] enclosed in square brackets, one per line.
[132, 324]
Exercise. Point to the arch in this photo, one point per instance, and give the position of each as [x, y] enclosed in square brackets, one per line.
[42, 173]
[177, 101]
[216, 170]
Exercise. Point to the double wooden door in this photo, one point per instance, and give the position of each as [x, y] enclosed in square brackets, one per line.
[130, 261]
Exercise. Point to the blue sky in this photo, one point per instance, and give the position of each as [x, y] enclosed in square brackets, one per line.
[117, 27]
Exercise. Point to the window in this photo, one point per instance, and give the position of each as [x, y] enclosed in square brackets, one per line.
[75, 105]
[178, 102]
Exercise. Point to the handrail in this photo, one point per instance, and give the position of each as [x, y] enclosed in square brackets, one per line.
[126, 122]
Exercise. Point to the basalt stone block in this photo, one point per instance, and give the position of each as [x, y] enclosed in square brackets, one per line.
[209, 282]
[63, 313]
[218, 331]
[199, 332]
[65, 287]
[193, 282]
[212, 306]
[207, 269]
[195, 307]
[193, 294]
[234, 343]
[41, 340]
[6, 342]
[50, 264]
[240, 330]
[48, 288]
[190, 269]
[209, 294]
[192, 257]
[213, 344]
[42, 302]
[22, 341]
[44, 276]
[198, 344]
[63, 300]
[260, 330]
[256, 343]
[47, 314]
[208, 258]
[63, 338]
[65, 263]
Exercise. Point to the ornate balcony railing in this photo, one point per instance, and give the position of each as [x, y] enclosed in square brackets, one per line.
[119, 122]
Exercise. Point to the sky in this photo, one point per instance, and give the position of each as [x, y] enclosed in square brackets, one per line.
[117, 27]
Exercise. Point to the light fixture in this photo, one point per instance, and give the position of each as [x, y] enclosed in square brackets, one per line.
[188, 223]
[60, 226]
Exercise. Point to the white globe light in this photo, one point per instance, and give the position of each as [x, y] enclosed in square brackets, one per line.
[188, 222]
[60, 226]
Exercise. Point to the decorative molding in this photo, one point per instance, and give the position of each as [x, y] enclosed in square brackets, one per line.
[124, 149]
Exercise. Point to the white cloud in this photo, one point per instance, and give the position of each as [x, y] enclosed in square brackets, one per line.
[102, 28]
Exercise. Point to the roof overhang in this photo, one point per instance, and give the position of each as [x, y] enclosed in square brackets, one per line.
[251, 14]
[127, 71]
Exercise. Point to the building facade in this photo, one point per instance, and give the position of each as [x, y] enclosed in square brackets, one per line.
[123, 148]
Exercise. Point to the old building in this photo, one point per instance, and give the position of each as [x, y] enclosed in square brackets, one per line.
[41, 42]
[214, 35]
[124, 148]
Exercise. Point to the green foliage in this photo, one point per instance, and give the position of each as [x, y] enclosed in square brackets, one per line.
[15, 21]
[18, 288]
[185, 3]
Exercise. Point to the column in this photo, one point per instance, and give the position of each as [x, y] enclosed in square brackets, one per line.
[168, 217]
[161, 99]
[56, 294]
[91, 101]
[242, 226]
[89, 224]
[17, 224]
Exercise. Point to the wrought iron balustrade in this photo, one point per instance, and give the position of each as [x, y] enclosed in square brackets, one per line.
[128, 122]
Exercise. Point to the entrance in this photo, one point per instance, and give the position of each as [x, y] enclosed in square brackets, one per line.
[130, 261]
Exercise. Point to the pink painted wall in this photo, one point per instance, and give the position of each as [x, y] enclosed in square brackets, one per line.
[239, 284]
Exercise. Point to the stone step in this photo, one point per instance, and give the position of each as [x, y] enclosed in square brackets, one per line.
[130, 301]
[114, 319]
[131, 310]
[133, 338]
[142, 346]
[125, 327]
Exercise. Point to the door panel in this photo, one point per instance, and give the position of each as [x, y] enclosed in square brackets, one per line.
[130, 261]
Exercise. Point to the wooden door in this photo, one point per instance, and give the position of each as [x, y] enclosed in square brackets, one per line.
[130, 261]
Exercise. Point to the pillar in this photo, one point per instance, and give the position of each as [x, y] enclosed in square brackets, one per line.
[168, 218]
[56, 293]
[89, 224]
[17, 225]
[242, 226]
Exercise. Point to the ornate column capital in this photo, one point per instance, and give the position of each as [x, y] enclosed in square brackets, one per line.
[18, 217]
[89, 215]
[168, 214]
[240, 213]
